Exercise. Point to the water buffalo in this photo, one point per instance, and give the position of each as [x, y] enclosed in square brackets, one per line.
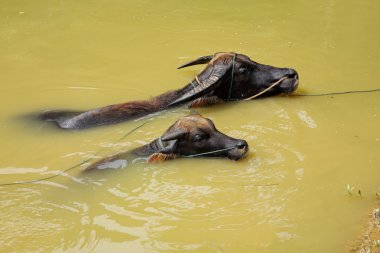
[227, 76]
[190, 136]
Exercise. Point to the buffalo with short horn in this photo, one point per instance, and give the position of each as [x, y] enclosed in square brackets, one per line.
[190, 136]
[227, 77]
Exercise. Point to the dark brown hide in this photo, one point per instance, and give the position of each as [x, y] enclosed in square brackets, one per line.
[231, 76]
[190, 136]
[227, 76]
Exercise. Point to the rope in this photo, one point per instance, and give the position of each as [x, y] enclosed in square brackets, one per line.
[278, 82]
[72, 167]
[196, 79]
[200, 154]
[160, 144]
[130, 132]
[335, 93]
[210, 152]
[232, 76]
[313, 95]
[46, 178]
[270, 87]
[192, 83]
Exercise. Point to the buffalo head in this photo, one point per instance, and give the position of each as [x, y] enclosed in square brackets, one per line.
[194, 136]
[190, 136]
[232, 76]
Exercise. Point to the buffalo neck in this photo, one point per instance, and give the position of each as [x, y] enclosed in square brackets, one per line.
[116, 113]
[164, 100]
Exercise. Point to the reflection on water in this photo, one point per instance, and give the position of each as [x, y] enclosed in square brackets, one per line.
[288, 195]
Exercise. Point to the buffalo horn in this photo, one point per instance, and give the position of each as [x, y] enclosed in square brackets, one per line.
[174, 136]
[216, 73]
[200, 60]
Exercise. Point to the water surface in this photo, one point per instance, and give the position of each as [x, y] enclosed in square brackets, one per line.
[289, 195]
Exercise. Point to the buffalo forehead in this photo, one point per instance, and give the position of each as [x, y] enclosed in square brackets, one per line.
[193, 122]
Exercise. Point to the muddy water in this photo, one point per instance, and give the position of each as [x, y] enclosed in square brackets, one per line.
[289, 195]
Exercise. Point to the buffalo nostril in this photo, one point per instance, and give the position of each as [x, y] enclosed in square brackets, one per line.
[242, 144]
[291, 73]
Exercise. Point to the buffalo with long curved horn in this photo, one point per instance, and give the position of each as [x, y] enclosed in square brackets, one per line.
[227, 77]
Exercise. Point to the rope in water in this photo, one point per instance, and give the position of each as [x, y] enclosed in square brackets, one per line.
[99, 151]
[72, 167]
[313, 95]
[336, 93]
[200, 154]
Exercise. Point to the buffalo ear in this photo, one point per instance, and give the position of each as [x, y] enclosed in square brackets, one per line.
[207, 80]
[160, 157]
[179, 134]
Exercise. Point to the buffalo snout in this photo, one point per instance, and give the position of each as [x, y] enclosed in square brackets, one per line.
[290, 83]
[240, 150]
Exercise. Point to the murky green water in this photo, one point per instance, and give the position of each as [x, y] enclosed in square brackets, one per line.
[289, 195]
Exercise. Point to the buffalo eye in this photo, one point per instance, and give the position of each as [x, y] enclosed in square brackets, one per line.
[199, 137]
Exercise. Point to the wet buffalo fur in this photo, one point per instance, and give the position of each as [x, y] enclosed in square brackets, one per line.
[190, 136]
[227, 77]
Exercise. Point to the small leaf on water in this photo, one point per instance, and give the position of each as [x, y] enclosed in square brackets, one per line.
[350, 189]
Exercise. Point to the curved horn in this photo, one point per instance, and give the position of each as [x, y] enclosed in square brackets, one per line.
[170, 148]
[174, 135]
[172, 139]
[216, 72]
[200, 60]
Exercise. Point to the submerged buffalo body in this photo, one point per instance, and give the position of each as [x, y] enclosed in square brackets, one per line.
[227, 77]
[190, 136]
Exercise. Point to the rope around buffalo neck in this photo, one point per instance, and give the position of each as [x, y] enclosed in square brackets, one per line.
[160, 143]
[232, 76]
